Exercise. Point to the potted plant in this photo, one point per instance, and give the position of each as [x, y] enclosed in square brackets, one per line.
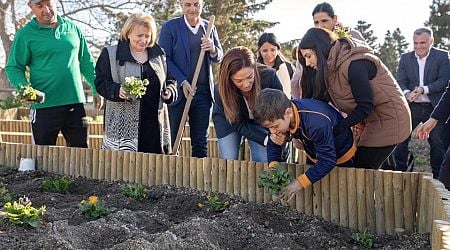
[134, 88]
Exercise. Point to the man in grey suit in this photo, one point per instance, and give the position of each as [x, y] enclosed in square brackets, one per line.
[423, 75]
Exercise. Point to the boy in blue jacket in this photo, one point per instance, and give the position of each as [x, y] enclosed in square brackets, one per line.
[312, 122]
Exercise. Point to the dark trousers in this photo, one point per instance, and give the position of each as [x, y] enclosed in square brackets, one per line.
[444, 173]
[69, 119]
[199, 116]
[420, 112]
[372, 157]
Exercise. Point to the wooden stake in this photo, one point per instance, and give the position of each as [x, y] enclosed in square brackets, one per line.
[114, 165]
[259, 191]
[352, 196]
[237, 177]
[300, 196]
[222, 175]
[325, 183]
[145, 168]
[200, 175]
[152, 169]
[179, 171]
[252, 181]
[138, 167]
[397, 184]
[101, 164]
[119, 171]
[370, 201]
[158, 172]
[165, 169]
[186, 171]
[108, 163]
[193, 173]
[126, 166]
[389, 217]
[343, 197]
[172, 169]
[132, 167]
[215, 175]
[308, 196]
[229, 177]
[361, 198]
[244, 180]
[379, 202]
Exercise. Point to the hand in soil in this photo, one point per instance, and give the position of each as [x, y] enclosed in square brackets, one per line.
[291, 190]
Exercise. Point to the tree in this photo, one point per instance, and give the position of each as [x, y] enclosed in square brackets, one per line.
[367, 33]
[439, 22]
[400, 42]
[389, 53]
[101, 20]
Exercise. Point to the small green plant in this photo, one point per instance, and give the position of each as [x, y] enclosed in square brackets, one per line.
[5, 195]
[94, 208]
[363, 239]
[58, 185]
[135, 87]
[135, 191]
[22, 213]
[275, 180]
[10, 102]
[215, 203]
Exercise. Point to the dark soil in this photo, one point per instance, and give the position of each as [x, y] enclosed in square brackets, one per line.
[170, 219]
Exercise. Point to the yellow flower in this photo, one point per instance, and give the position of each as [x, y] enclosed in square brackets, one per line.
[200, 205]
[93, 200]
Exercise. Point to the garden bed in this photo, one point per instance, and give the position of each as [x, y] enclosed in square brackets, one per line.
[171, 219]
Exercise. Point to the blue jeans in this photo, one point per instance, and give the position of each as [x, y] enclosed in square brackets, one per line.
[229, 148]
[199, 116]
[420, 112]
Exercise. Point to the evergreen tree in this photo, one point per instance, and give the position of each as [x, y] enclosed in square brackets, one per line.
[389, 53]
[364, 27]
[400, 42]
[439, 22]
[235, 23]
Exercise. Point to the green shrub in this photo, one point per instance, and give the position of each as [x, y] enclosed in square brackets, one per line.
[10, 102]
[58, 185]
[363, 239]
[135, 191]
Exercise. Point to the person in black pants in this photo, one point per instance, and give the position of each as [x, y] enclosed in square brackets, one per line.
[441, 113]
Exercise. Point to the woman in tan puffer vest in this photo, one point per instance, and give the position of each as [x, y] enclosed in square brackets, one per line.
[347, 73]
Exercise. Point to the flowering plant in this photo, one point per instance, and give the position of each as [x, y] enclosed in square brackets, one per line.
[215, 203]
[29, 94]
[94, 208]
[22, 213]
[134, 87]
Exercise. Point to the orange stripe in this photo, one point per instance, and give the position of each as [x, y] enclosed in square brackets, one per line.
[304, 180]
[296, 119]
[346, 157]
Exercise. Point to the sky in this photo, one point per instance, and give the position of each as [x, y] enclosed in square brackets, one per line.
[295, 16]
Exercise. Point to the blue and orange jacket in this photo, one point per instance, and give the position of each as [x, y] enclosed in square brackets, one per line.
[314, 121]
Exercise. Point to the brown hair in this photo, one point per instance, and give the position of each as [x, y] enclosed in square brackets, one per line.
[270, 105]
[137, 19]
[234, 60]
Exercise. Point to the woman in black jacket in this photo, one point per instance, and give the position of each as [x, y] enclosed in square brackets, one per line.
[241, 79]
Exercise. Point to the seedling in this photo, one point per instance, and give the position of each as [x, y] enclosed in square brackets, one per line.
[275, 180]
[215, 203]
[94, 208]
[57, 185]
[22, 213]
[363, 239]
[135, 191]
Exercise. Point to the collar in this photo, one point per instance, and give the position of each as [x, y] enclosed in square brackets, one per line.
[193, 29]
[124, 54]
[296, 119]
[425, 57]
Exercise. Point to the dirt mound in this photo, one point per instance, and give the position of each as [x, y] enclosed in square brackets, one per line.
[170, 219]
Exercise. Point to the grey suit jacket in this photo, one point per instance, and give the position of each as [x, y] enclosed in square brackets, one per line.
[436, 74]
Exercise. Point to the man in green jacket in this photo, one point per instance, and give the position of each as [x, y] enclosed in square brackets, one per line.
[57, 54]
